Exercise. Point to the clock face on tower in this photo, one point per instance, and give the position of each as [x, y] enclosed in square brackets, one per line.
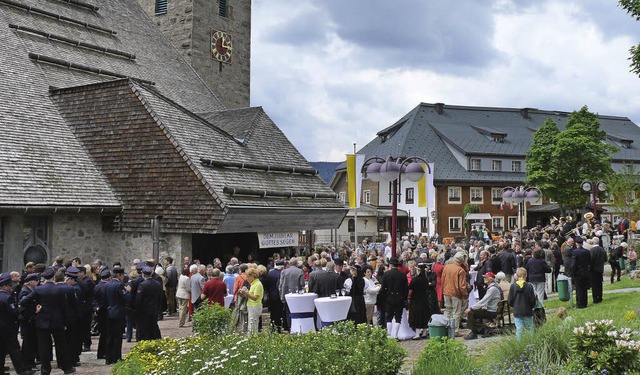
[221, 46]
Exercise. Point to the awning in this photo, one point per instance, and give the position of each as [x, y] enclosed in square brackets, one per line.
[551, 208]
[482, 216]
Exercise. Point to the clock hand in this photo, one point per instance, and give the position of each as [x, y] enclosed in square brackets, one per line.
[227, 46]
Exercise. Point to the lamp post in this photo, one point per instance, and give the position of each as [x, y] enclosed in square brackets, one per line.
[589, 186]
[520, 195]
[434, 220]
[378, 169]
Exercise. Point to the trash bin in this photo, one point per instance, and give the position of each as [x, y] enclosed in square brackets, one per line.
[563, 288]
[438, 326]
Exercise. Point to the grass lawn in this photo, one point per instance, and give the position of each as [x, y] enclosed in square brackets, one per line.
[625, 282]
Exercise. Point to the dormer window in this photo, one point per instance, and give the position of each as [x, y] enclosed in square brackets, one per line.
[496, 165]
[620, 140]
[490, 133]
[474, 164]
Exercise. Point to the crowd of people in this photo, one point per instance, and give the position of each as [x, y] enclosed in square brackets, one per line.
[63, 304]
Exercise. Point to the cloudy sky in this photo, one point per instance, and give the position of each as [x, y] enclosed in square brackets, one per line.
[332, 73]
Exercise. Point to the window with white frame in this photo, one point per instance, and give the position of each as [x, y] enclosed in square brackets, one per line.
[408, 196]
[342, 196]
[516, 166]
[496, 195]
[455, 194]
[476, 194]
[497, 223]
[366, 196]
[496, 165]
[455, 224]
[605, 217]
[474, 164]
[424, 224]
[512, 222]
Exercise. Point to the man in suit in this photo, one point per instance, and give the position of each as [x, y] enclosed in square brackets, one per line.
[275, 303]
[197, 283]
[581, 272]
[50, 322]
[117, 295]
[325, 283]
[291, 280]
[313, 276]
[342, 275]
[148, 298]
[396, 288]
[9, 312]
[598, 259]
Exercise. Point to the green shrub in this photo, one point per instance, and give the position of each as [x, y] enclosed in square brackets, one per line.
[342, 349]
[211, 319]
[601, 347]
[446, 357]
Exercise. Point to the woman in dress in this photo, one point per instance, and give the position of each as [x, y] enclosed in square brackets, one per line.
[355, 287]
[418, 308]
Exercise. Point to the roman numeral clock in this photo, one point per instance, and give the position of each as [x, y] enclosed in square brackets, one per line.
[221, 46]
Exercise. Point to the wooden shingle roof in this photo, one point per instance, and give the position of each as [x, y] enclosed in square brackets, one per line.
[100, 110]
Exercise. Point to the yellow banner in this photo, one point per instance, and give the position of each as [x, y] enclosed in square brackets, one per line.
[351, 181]
[422, 189]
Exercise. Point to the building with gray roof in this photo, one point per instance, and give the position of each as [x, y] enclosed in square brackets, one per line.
[105, 126]
[476, 152]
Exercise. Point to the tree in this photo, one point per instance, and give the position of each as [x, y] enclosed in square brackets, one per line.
[539, 161]
[565, 160]
[621, 187]
[633, 8]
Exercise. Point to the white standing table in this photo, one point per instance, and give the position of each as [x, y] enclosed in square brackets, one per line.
[301, 308]
[332, 310]
[227, 300]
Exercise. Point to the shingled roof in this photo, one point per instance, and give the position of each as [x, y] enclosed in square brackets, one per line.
[438, 133]
[99, 110]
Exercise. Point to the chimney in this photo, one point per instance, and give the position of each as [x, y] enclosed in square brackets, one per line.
[439, 108]
[524, 112]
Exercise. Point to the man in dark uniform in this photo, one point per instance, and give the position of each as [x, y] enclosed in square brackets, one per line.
[72, 322]
[100, 306]
[9, 312]
[27, 323]
[276, 307]
[50, 322]
[396, 288]
[148, 299]
[131, 306]
[85, 298]
[581, 272]
[151, 263]
[117, 295]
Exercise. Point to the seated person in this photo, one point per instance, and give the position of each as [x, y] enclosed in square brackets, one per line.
[486, 308]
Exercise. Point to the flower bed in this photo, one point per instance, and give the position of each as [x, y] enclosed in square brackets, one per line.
[343, 349]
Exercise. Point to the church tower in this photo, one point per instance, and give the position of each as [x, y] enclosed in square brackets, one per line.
[214, 36]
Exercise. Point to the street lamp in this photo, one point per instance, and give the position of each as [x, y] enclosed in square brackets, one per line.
[434, 220]
[390, 170]
[589, 186]
[520, 195]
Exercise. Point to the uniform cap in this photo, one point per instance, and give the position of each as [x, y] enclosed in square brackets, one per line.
[105, 273]
[147, 270]
[48, 272]
[72, 272]
[31, 277]
[5, 279]
[118, 270]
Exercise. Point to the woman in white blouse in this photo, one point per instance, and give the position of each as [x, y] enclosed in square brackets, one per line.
[371, 289]
[183, 295]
